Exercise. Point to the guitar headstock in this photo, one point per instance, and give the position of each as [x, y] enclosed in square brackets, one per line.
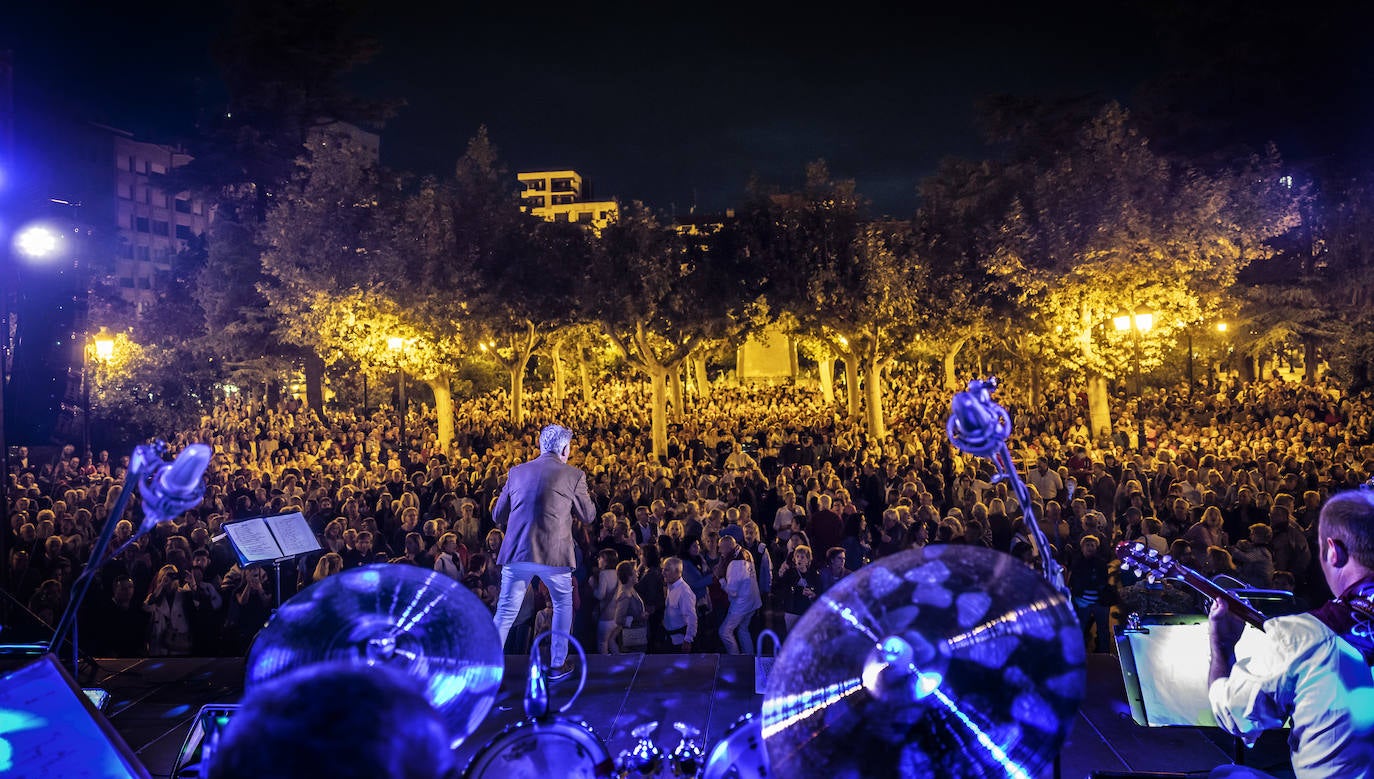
[1137, 556]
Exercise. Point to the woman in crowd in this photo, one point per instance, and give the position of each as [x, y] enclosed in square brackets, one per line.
[448, 560]
[168, 605]
[330, 564]
[797, 585]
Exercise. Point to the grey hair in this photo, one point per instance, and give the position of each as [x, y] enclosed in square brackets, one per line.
[554, 438]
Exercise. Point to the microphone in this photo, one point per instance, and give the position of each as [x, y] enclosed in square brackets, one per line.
[978, 425]
[174, 487]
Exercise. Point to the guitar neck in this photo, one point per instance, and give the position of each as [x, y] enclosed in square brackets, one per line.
[1215, 591]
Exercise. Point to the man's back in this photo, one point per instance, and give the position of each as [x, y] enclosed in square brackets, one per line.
[825, 529]
[1304, 670]
[536, 509]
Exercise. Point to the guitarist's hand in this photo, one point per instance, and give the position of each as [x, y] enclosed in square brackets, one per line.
[1226, 627]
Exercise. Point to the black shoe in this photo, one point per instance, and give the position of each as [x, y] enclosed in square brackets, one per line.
[561, 672]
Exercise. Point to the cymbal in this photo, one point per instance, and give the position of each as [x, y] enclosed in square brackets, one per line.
[409, 619]
[942, 661]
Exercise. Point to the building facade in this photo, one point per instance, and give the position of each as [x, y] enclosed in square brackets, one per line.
[562, 196]
[153, 224]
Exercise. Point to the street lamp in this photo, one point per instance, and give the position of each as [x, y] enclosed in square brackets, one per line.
[102, 346]
[1221, 330]
[1137, 323]
[398, 344]
[36, 242]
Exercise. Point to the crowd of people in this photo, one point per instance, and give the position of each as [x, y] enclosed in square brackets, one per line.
[765, 498]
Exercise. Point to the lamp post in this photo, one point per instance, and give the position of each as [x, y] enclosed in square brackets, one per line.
[1137, 323]
[102, 346]
[35, 243]
[1221, 330]
[1213, 381]
[398, 345]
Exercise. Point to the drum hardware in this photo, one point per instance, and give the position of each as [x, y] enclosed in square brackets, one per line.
[687, 758]
[644, 758]
[546, 744]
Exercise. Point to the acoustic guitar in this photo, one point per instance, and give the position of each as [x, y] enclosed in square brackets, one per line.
[1138, 557]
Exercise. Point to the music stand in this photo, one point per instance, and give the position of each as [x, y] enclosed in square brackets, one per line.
[1164, 692]
[273, 539]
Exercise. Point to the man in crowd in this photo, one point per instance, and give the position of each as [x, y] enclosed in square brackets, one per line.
[536, 510]
[680, 612]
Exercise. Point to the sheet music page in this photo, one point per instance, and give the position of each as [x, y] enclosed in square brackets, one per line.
[293, 533]
[252, 540]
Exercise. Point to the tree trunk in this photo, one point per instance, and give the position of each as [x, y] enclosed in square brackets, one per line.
[1247, 369]
[559, 380]
[1037, 382]
[851, 379]
[825, 367]
[517, 392]
[443, 408]
[675, 375]
[658, 382]
[1099, 413]
[792, 358]
[314, 383]
[703, 382]
[951, 378]
[584, 376]
[1309, 360]
[873, 390]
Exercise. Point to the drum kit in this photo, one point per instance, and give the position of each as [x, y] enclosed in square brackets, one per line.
[944, 661]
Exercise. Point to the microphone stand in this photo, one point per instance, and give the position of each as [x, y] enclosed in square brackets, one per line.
[138, 464]
[981, 427]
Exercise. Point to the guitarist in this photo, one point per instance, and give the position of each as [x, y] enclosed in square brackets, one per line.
[1312, 668]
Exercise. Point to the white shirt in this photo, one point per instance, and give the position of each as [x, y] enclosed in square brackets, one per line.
[742, 586]
[1047, 484]
[680, 611]
[785, 518]
[1300, 669]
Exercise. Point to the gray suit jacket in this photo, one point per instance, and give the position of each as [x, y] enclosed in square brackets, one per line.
[536, 509]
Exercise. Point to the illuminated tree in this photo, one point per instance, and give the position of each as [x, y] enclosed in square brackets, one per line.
[329, 231]
[857, 286]
[1105, 227]
[657, 298]
[358, 328]
[518, 273]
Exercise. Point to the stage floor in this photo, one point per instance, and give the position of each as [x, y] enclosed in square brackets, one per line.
[154, 701]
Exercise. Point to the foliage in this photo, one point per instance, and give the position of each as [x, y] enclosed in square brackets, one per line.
[1110, 227]
[144, 392]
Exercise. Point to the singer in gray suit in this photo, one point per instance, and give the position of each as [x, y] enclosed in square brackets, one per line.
[536, 510]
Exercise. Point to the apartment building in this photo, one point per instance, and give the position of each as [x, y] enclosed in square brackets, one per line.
[153, 224]
[561, 196]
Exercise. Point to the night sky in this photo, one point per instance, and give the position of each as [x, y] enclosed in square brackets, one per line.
[676, 104]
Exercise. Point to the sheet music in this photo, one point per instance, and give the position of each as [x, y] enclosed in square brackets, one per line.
[293, 534]
[253, 541]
